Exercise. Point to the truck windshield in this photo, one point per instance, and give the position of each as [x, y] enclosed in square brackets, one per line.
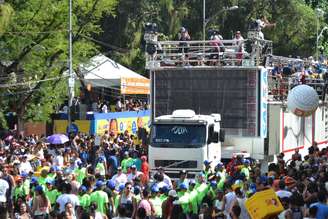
[178, 136]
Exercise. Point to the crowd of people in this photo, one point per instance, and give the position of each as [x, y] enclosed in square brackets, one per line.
[104, 106]
[82, 179]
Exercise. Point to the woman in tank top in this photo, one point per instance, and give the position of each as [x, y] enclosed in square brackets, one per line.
[128, 201]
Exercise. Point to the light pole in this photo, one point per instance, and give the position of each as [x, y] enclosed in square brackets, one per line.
[204, 18]
[318, 38]
[319, 13]
[70, 67]
[206, 21]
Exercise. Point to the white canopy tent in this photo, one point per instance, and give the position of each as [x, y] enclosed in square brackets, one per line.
[102, 71]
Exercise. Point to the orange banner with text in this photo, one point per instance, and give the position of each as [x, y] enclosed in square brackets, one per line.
[135, 86]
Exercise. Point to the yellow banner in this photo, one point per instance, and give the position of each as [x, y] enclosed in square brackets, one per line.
[119, 125]
[60, 126]
[135, 86]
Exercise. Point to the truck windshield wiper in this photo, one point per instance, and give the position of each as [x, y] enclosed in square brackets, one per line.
[175, 163]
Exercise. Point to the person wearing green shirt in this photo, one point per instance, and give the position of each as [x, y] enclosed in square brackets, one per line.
[19, 190]
[193, 198]
[52, 173]
[126, 162]
[137, 161]
[80, 173]
[207, 169]
[201, 187]
[164, 193]
[221, 173]
[26, 182]
[84, 198]
[101, 166]
[156, 201]
[117, 197]
[184, 199]
[246, 169]
[212, 190]
[51, 192]
[43, 177]
[100, 197]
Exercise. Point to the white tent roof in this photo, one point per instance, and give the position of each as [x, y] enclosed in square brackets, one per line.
[102, 71]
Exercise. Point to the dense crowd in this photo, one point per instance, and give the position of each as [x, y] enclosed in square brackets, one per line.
[104, 106]
[82, 179]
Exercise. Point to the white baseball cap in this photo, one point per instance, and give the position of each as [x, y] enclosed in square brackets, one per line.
[173, 193]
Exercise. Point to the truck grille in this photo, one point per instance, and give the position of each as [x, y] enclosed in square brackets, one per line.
[176, 163]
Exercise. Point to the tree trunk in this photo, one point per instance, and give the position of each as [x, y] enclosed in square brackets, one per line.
[20, 124]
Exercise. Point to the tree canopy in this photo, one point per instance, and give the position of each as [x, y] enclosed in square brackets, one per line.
[33, 38]
[34, 50]
[295, 33]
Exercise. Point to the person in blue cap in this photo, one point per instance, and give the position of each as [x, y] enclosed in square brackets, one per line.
[119, 191]
[110, 190]
[41, 204]
[51, 192]
[221, 172]
[100, 197]
[193, 198]
[84, 197]
[163, 190]
[26, 182]
[184, 200]
[207, 168]
[246, 168]
[156, 201]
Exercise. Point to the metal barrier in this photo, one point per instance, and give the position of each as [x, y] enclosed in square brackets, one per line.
[249, 52]
[279, 87]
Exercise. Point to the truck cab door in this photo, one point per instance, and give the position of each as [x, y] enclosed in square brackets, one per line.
[213, 145]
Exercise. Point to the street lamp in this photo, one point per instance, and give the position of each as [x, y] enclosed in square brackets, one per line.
[70, 66]
[318, 38]
[319, 13]
[206, 21]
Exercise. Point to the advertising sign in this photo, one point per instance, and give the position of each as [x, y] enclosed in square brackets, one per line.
[135, 86]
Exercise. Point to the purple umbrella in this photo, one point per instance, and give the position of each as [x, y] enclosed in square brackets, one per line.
[57, 139]
[9, 138]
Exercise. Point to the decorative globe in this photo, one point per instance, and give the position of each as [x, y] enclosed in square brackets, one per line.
[302, 100]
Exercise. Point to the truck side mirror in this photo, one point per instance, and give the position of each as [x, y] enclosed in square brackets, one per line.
[215, 137]
[222, 135]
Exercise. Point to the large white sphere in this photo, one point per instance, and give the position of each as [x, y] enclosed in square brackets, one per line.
[302, 100]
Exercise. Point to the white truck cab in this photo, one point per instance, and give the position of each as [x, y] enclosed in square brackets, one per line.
[185, 140]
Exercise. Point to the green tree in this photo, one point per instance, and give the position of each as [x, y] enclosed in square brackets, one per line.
[126, 29]
[33, 53]
[295, 33]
